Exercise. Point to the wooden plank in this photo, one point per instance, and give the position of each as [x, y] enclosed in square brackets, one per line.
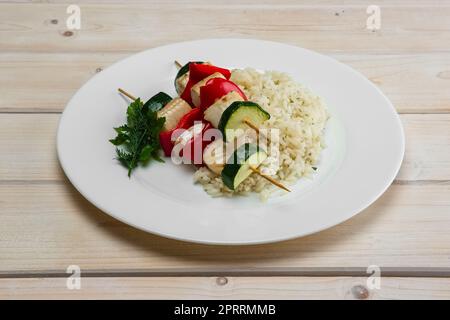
[121, 27]
[427, 154]
[46, 225]
[49, 226]
[45, 82]
[29, 142]
[31, 153]
[414, 83]
[256, 3]
[226, 288]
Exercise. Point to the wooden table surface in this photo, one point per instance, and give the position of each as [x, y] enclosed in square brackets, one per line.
[46, 225]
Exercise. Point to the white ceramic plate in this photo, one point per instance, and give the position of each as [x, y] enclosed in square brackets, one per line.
[364, 137]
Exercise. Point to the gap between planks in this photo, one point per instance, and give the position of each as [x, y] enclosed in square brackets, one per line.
[406, 272]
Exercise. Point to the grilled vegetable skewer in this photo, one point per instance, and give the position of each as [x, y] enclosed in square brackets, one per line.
[208, 87]
[237, 168]
[173, 112]
[219, 170]
[219, 155]
[226, 107]
[236, 116]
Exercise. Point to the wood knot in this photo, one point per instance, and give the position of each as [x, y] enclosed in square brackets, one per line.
[360, 292]
[221, 281]
[443, 75]
[68, 33]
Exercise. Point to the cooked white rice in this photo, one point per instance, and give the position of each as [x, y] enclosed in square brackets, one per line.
[300, 117]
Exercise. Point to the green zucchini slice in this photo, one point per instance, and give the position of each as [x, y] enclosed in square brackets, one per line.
[233, 118]
[237, 168]
[158, 101]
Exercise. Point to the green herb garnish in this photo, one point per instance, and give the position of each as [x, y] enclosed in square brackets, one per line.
[138, 139]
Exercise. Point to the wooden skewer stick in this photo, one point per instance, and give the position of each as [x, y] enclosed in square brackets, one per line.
[178, 64]
[271, 180]
[126, 94]
[255, 170]
[251, 125]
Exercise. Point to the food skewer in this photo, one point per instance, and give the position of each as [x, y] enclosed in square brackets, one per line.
[255, 170]
[126, 94]
[246, 121]
[270, 179]
[251, 125]
[179, 65]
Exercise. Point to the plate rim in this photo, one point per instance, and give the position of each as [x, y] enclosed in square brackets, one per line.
[348, 215]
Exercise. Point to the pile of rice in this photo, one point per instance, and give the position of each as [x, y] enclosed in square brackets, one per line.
[300, 117]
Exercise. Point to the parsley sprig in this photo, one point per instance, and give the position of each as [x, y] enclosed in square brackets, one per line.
[137, 141]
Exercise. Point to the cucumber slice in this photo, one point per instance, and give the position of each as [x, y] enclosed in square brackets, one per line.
[238, 165]
[158, 101]
[232, 118]
[183, 70]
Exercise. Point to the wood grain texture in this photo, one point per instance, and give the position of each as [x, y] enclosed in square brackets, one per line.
[123, 27]
[46, 225]
[30, 141]
[427, 153]
[351, 288]
[401, 77]
[49, 226]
